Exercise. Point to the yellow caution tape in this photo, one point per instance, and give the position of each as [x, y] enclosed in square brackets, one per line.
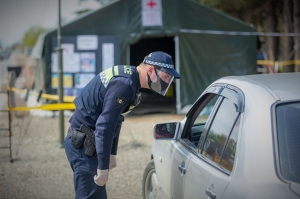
[280, 63]
[69, 99]
[265, 62]
[46, 107]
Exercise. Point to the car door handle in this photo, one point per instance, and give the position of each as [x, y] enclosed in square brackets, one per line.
[210, 193]
[181, 168]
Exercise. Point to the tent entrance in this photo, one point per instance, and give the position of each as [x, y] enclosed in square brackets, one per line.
[152, 102]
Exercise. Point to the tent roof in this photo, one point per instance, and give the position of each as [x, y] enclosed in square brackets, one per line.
[123, 18]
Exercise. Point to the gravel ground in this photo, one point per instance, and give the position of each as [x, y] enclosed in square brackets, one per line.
[41, 170]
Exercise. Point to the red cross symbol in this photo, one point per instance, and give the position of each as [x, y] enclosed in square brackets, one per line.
[151, 4]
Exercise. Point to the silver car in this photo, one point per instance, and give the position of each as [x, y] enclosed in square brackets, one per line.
[241, 139]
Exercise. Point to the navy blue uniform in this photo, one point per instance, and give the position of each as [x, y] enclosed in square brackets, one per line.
[101, 105]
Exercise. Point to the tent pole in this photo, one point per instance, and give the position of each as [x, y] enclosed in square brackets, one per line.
[128, 55]
[177, 64]
[60, 77]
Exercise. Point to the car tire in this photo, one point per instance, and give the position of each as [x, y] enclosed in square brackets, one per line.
[147, 181]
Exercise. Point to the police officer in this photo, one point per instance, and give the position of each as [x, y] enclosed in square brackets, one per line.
[92, 139]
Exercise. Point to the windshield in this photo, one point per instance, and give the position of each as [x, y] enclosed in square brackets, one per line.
[288, 136]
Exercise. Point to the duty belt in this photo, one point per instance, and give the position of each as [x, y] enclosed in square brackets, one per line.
[86, 137]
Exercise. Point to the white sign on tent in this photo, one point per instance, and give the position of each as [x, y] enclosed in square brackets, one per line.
[151, 13]
[87, 42]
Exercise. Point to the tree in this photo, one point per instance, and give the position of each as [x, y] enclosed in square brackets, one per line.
[288, 42]
[271, 23]
[297, 30]
[32, 35]
[268, 16]
[237, 8]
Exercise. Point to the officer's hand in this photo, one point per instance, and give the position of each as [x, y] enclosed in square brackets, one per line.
[101, 178]
[112, 162]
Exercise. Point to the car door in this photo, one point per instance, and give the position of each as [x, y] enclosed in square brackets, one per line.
[212, 161]
[171, 158]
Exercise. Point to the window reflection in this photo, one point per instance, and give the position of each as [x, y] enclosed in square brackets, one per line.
[229, 153]
[205, 112]
[218, 133]
[166, 130]
[202, 119]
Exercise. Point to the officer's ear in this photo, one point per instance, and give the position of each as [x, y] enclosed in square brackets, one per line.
[152, 74]
[150, 70]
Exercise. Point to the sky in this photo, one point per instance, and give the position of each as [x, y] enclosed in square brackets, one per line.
[17, 16]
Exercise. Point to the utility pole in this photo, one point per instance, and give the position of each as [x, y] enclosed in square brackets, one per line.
[60, 77]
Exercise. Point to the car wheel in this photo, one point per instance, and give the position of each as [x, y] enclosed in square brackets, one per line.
[149, 180]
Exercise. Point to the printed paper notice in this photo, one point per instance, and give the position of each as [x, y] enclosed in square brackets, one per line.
[71, 62]
[68, 47]
[107, 55]
[87, 42]
[151, 18]
[67, 80]
[151, 13]
[151, 5]
[81, 80]
[87, 62]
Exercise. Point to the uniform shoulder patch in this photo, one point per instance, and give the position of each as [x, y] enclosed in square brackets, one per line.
[120, 101]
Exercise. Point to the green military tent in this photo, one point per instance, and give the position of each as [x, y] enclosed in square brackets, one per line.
[187, 32]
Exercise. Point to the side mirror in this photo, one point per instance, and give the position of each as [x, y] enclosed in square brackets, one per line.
[165, 130]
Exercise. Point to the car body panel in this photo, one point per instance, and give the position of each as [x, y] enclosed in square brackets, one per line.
[270, 82]
[255, 173]
[201, 177]
[168, 155]
[252, 128]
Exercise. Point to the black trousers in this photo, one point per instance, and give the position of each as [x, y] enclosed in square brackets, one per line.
[84, 168]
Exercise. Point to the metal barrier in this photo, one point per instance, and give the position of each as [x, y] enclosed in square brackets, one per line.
[21, 112]
[11, 80]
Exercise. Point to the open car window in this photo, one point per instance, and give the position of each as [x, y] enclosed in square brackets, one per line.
[199, 118]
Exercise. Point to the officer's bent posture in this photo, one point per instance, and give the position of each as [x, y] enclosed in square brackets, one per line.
[92, 139]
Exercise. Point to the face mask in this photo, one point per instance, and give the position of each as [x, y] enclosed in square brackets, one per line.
[155, 86]
[159, 86]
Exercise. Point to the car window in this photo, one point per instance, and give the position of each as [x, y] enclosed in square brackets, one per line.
[205, 112]
[218, 137]
[230, 149]
[288, 136]
[199, 119]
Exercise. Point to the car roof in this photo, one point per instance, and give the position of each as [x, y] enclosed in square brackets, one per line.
[285, 85]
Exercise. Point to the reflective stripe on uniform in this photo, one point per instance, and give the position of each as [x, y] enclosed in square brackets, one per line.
[129, 110]
[116, 71]
[107, 74]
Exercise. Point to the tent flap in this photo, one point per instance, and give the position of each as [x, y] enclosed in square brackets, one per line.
[206, 58]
